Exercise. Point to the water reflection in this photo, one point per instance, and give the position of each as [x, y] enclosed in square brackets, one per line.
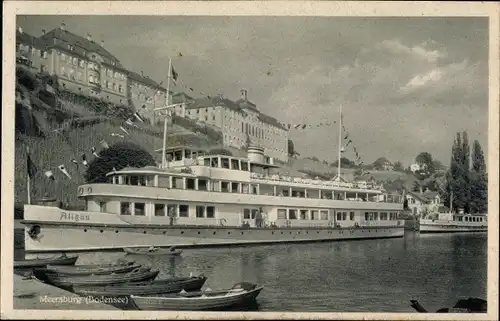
[354, 276]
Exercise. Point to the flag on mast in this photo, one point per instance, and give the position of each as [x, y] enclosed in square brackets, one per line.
[31, 166]
[174, 74]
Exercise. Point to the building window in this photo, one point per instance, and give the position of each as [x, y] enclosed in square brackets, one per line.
[120, 88]
[125, 208]
[139, 209]
[159, 209]
[200, 211]
[184, 210]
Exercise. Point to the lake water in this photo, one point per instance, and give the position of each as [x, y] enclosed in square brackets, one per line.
[353, 276]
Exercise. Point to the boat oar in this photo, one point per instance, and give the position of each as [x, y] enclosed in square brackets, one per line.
[417, 306]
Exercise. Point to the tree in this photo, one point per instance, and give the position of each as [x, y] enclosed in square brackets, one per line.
[458, 175]
[424, 159]
[479, 181]
[117, 156]
[380, 162]
[398, 166]
[344, 163]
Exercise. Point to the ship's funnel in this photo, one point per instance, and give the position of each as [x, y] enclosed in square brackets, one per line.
[255, 154]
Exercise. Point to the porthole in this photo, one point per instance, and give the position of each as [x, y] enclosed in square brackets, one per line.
[228, 233]
[215, 232]
[199, 232]
[298, 232]
[116, 231]
[272, 233]
[281, 233]
[144, 232]
[182, 232]
[164, 232]
[242, 233]
[102, 231]
[85, 230]
[317, 232]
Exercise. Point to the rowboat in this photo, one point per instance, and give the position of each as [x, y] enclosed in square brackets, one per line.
[239, 295]
[153, 287]
[91, 270]
[139, 274]
[42, 262]
[470, 305]
[153, 251]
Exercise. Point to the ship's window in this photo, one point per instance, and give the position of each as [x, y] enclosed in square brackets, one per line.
[187, 153]
[246, 214]
[134, 180]
[314, 215]
[150, 180]
[324, 215]
[200, 211]
[210, 211]
[351, 216]
[126, 180]
[224, 162]
[480, 219]
[183, 210]
[178, 182]
[254, 189]
[142, 180]
[163, 181]
[190, 183]
[216, 186]
[172, 210]
[292, 214]
[102, 207]
[202, 184]
[206, 161]
[139, 209]
[339, 216]
[244, 188]
[159, 209]
[235, 164]
[254, 213]
[125, 208]
[215, 162]
[281, 214]
[234, 187]
[244, 166]
[225, 187]
[303, 214]
[367, 216]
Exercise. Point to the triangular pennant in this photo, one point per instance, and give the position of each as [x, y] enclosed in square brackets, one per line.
[104, 144]
[136, 114]
[62, 168]
[74, 161]
[129, 122]
[304, 126]
[50, 175]
[123, 130]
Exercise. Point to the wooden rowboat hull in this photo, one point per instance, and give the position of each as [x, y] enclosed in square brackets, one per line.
[34, 263]
[77, 271]
[143, 274]
[219, 302]
[143, 288]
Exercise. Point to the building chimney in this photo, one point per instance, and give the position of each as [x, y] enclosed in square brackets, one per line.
[89, 37]
[243, 94]
[63, 26]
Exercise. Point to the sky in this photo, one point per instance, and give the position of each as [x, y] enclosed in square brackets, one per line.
[406, 84]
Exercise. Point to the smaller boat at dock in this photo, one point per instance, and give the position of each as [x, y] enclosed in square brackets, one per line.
[153, 251]
[470, 305]
[152, 287]
[43, 262]
[239, 295]
[97, 269]
[62, 280]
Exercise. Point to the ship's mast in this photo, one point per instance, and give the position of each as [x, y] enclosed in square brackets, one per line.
[340, 143]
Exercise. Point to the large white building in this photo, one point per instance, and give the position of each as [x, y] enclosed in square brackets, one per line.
[240, 122]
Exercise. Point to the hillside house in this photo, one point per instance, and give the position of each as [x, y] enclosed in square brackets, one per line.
[425, 203]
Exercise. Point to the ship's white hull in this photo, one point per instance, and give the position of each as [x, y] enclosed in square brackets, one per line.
[55, 238]
[437, 226]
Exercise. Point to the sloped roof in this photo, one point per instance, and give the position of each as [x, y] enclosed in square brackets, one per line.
[271, 120]
[245, 103]
[145, 80]
[27, 39]
[81, 44]
[215, 101]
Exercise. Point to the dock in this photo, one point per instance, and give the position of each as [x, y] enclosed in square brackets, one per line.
[33, 294]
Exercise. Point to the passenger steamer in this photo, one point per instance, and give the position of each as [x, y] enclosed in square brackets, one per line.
[455, 222]
[197, 199]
